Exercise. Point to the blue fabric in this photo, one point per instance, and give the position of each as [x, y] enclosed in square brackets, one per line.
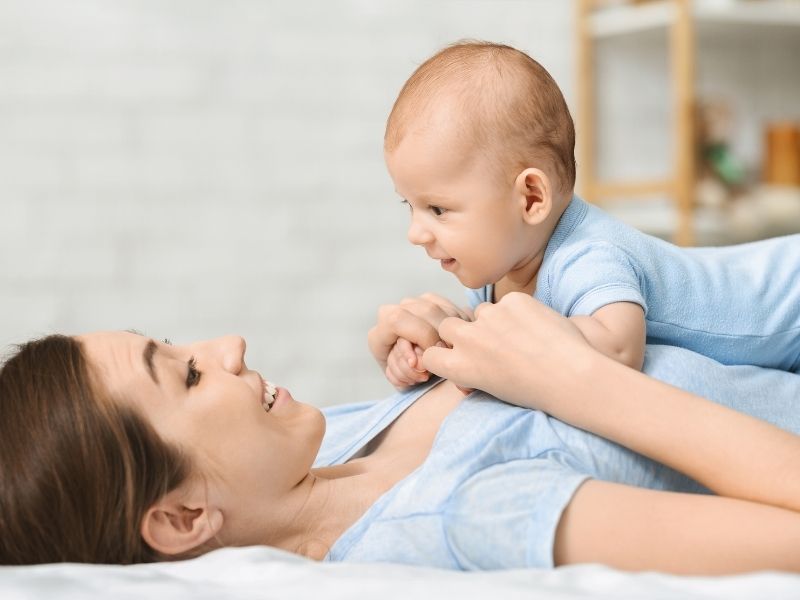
[492, 490]
[738, 304]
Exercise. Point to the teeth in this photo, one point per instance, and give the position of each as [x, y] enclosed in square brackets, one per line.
[269, 396]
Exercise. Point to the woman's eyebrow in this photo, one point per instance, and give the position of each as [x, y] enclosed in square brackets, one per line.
[147, 356]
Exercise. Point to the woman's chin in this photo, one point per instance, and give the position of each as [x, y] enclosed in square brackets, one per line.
[319, 426]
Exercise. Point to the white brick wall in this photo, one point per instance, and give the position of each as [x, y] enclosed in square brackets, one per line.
[194, 168]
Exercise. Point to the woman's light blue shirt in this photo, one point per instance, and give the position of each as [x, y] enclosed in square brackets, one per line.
[492, 490]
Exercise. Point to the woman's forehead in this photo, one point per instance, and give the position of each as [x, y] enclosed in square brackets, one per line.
[120, 357]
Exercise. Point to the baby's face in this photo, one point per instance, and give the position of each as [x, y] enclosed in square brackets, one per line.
[462, 214]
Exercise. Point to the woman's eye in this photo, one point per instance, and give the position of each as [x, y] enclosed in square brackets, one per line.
[438, 210]
[192, 374]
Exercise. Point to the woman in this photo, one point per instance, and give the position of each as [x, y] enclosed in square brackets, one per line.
[118, 448]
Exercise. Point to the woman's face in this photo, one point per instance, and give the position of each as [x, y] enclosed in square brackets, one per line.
[203, 398]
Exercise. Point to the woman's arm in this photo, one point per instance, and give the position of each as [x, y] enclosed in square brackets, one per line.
[523, 352]
[725, 450]
[639, 529]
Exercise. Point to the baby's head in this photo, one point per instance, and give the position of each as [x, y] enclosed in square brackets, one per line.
[481, 124]
[492, 99]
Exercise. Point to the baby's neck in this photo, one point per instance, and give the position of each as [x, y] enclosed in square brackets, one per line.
[521, 279]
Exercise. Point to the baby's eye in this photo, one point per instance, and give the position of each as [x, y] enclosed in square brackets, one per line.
[438, 210]
[192, 374]
[404, 201]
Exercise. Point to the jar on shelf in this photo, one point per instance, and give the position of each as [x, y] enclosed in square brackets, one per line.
[781, 164]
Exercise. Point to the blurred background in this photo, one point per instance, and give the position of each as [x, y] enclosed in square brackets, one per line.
[192, 168]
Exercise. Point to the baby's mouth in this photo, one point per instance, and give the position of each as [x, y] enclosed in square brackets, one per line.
[447, 263]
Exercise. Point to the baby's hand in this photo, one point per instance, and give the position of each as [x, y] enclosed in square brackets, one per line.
[404, 365]
[404, 331]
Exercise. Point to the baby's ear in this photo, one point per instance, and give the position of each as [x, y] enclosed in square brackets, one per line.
[532, 187]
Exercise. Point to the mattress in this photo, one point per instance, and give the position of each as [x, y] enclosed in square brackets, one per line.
[260, 572]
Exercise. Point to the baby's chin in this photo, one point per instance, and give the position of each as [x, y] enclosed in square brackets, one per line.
[472, 283]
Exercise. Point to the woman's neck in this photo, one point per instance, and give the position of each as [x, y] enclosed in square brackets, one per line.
[338, 497]
[333, 498]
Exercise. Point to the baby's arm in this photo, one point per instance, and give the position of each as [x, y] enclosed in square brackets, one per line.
[605, 281]
[617, 330]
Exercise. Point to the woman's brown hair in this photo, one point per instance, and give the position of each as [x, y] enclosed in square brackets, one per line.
[77, 470]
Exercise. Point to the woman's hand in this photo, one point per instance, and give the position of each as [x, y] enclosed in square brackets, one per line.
[516, 350]
[404, 331]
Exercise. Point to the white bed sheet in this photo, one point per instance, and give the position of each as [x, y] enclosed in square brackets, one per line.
[259, 572]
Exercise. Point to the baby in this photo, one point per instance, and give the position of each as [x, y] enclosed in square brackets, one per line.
[480, 145]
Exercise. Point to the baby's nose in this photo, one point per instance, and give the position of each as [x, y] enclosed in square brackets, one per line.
[418, 235]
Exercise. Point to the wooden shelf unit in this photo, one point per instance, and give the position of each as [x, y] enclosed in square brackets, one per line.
[683, 20]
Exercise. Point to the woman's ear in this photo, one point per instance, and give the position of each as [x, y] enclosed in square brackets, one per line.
[532, 188]
[173, 526]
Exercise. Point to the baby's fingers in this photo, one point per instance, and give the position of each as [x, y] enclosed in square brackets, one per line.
[404, 352]
[398, 374]
[394, 379]
[402, 380]
[401, 366]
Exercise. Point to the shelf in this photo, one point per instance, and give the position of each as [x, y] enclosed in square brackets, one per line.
[765, 213]
[619, 20]
[687, 28]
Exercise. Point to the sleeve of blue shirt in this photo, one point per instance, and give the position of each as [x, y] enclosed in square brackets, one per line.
[506, 516]
[590, 277]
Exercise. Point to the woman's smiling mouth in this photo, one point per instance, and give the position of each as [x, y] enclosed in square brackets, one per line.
[270, 395]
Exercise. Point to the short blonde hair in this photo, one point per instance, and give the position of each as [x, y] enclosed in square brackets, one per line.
[506, 102]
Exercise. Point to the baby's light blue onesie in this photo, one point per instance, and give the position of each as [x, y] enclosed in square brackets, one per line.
[738, 304]
[492, 490]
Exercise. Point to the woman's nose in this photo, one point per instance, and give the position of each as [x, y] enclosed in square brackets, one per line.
[228, 352]
[235, 347]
